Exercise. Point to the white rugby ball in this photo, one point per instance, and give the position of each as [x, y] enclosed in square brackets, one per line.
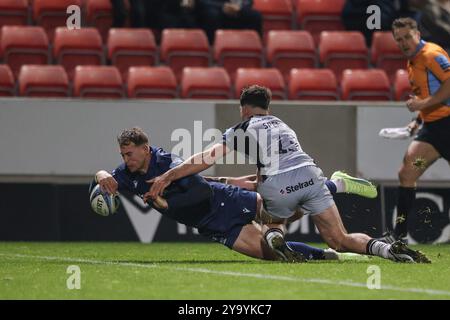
[103, 203]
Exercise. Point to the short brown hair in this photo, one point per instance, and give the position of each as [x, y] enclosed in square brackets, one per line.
[256, 96]
[134, 135]
[404, 23]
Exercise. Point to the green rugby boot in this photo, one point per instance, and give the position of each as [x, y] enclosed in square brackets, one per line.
[358, 186]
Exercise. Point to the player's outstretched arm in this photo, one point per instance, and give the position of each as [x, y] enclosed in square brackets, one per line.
[245, 182]
[195, 164]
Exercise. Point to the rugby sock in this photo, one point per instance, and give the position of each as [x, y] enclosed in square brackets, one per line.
[405, 202]
[310, 253]
[378, 248]
[340, 185]
[331, 186]
[273, 232]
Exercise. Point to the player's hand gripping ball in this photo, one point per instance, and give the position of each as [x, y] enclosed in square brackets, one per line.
[103, 203]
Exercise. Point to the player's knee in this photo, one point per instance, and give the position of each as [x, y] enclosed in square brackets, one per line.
[406, 176]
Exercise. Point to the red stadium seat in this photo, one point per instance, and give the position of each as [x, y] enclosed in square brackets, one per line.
[77, 47]
[131, 47]
[13, 12]
[99, 15]
[43, 81]
[402, 85]
[24, 45]
[52, 13]
[385, 53]
[340, 50]
[277, 14]
[184, 48]
[313, 84]
[270, 78]
[6, 81]
[205, 83]
[97, 82]
[234, 49]
[316, 16]
[366, 85]
[152, 83]
[290, 49]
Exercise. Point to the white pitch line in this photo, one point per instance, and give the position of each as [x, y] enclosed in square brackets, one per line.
[228, 273]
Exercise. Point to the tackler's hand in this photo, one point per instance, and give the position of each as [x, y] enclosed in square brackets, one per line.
[158, 185]
[158, 203]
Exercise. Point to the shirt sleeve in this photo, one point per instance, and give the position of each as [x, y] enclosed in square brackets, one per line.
[439, 64]
[175, 161]
[228, 138]
[120, 178]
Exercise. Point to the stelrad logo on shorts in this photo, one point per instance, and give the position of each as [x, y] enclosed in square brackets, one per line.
[297, 187]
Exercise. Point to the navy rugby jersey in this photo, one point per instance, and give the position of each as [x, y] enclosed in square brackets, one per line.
[190, 199]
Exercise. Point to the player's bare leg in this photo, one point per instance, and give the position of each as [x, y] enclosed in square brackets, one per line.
[419, 156]
[332, 230]
[273, 230]
[251, 243]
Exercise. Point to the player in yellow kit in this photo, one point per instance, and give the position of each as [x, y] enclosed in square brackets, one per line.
[429, 74]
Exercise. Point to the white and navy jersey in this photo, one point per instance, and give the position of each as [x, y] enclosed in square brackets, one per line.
[269, 143]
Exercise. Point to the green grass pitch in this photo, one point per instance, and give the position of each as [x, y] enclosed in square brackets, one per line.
[206, 271]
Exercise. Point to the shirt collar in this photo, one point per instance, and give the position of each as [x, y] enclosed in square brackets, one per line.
[418, 48]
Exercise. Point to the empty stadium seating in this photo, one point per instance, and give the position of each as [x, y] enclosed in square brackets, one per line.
[43, 81]
[277, 14]
[52, 13]
[316, 16]
[131, 47]
[290, 49]
[13, 12]
[6, 81]
[99, 15]
[340, 50]
[97, 82]
[313, 84]
[77, 47]
[184, 48]
[152, 83]
[205, 83]
[270, 78]
[402, 85]
[304, 54]
[385, 54]
[234, 49]
[24, 45]
[366, 85]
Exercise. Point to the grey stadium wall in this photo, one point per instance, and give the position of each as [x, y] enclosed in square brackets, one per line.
[54, 146]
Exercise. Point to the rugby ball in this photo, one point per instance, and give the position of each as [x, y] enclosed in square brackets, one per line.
[103, 203]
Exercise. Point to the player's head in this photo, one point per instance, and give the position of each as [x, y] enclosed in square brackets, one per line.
[407, 35]
[254, 98]
[134, 148]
